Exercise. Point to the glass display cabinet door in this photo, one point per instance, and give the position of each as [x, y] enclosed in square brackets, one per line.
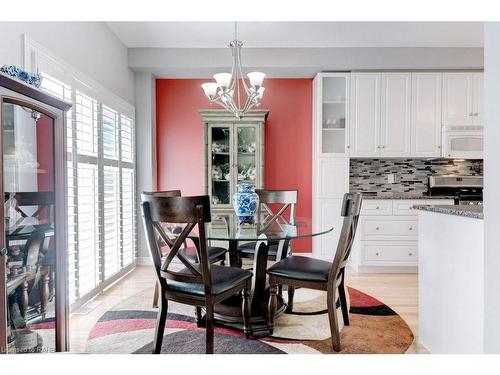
[220, 161]
[333, 127]
[29, 270]
[246, 154]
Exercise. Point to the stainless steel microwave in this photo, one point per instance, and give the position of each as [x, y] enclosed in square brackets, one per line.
[463, 142]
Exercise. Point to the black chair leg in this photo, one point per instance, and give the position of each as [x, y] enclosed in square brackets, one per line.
[199, 318]
[273, 290]
[246, 310]
[343, 304]
[291, 293]
[209, 328]
[160, 325]
[334, 323]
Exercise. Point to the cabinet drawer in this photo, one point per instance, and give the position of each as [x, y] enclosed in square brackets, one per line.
[397, 228]
[391, 253]
[375, 207]
[405, 207]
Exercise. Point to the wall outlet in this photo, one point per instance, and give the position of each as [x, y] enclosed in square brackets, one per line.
[391, 178]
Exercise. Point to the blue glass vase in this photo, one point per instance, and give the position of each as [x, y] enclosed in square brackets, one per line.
[245, 203]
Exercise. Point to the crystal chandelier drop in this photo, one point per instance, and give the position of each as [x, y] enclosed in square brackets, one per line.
[227, 89]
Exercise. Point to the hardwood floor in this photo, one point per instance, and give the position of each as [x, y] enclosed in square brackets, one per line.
[398, 291]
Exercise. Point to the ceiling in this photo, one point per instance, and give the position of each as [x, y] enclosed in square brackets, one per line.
[299, 34]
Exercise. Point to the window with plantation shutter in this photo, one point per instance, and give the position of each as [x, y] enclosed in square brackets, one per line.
[101, 201]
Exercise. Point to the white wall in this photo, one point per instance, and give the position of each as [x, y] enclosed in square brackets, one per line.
[299, 62]
[145, 115]
[88, 46]
[492, 187]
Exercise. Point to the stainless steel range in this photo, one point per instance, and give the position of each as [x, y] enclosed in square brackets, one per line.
[464, 189]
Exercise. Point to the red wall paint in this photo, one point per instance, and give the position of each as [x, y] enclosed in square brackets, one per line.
[288, 140]
[45, 153]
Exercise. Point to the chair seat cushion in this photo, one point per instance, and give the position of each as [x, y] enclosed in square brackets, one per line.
[249, 248]
[214, 253]
[301, 268]
[223, 279]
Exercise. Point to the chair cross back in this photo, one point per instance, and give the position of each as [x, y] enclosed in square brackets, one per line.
[286, 198]
[194, 212]
[351, 208]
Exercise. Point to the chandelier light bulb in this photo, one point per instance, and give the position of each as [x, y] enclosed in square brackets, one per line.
[223, 80]
[256, 78]
[210, 89]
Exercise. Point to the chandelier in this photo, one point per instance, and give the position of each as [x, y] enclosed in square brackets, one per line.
[227, 89]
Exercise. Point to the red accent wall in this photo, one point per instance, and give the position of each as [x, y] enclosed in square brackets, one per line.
[288, 141]
[45, 152]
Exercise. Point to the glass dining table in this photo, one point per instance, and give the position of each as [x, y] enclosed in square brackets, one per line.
[225, 231]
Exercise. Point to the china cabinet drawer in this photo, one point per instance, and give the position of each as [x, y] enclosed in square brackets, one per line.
[384, 252]
[389, 228]
[376, 207]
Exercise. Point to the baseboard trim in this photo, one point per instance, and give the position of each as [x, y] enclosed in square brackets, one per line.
[387, 269]
[143, 261]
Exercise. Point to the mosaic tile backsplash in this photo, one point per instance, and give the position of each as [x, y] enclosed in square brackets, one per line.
[411, 175]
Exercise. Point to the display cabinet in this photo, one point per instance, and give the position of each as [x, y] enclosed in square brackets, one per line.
[33, 265]
[234, 153]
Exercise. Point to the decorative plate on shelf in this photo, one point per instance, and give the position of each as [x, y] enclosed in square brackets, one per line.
[16, 72]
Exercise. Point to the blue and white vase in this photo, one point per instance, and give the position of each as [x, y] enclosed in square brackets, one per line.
[245, 203]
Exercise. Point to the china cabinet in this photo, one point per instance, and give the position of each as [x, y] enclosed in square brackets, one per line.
[33, 265]
[234, 153]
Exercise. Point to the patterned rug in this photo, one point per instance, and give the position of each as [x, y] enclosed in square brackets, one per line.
[374, 328]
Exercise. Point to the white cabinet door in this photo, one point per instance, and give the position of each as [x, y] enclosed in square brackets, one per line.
[395, 114]
[329, 216]
[478, 99]
[458, 99]
[364, 131]
[426, 115]
[333, 177]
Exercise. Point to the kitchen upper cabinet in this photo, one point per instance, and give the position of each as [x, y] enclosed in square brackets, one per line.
[477, 98]
[364, 130]
[462, 98]
[395, 114]
[426, 115]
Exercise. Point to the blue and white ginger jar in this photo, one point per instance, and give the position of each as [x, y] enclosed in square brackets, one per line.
[245, 203]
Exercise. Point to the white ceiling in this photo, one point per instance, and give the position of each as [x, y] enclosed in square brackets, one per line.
[299, 34]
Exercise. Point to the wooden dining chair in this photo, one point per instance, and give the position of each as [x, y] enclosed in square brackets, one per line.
[215, 254]
[197, 284]
[311, 273]
[286, 201]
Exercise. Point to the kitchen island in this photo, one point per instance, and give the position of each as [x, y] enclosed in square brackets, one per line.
[451, 278]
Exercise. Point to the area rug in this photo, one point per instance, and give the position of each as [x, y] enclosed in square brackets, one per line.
[374, 328]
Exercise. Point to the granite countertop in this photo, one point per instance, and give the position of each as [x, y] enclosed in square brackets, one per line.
[404, 196]
[475, 212]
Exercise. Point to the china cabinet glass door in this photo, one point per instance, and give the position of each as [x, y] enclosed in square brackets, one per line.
[246, 161]
[220, 164]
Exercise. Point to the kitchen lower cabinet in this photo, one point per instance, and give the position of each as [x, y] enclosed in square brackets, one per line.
[387, 235]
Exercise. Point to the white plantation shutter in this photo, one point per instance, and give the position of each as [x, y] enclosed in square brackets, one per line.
[101, 203]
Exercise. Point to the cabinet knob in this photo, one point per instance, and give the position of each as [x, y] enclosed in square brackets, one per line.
[410, 254]
[439, 147]
[376, 254]
[348, 146]
[383, 146]
[410, 228]
[377, 208]
[476, 114]
[377, 228]
[471, 114]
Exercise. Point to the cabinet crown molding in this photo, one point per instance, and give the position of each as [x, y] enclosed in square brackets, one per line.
[223, 116]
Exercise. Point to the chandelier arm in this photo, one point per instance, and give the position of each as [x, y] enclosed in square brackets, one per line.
[248, 104]
[247, 90]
